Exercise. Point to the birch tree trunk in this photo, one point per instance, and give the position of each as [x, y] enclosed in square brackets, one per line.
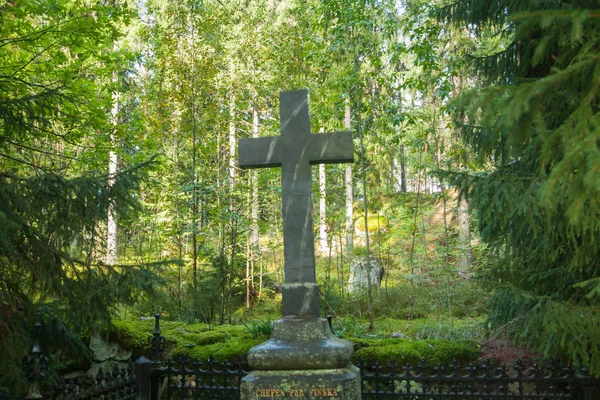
[113, 161]
[255, 238]
[232, 137]
[349, 191]
[322, 210]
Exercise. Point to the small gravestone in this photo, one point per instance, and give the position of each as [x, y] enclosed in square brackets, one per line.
[361, 268]
[302, 359]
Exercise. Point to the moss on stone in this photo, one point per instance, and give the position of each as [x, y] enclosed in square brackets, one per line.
[229, 348]
[187, 340]
[412, 351]
[233, 341]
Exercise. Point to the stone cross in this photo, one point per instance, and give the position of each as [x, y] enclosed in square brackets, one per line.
[294, 151]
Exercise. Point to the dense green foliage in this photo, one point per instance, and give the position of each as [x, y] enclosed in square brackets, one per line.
[533, 128]
[54, 191]
[160, 91]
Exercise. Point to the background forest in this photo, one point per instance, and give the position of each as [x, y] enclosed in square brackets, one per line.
[476, 182]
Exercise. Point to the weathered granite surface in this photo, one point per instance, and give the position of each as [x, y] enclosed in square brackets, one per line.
[340, 383]
[294, 151]
[360, 270]
[302, 359]
[298, 344]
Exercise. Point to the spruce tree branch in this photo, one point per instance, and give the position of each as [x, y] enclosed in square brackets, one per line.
[553, 13]
[508, 48]
[24, 162]
[40, 150]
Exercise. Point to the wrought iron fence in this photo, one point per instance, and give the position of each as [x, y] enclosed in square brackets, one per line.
[212, 380]
[482, 381]
[194, 379]
[120, 383]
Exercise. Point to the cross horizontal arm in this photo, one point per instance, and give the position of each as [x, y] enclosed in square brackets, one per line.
[259, 152]
[331, 148]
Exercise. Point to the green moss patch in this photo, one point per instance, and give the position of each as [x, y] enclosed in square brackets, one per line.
[412, 351]
[187, 340]
[230, 342]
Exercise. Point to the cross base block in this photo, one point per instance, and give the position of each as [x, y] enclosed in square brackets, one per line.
[340, 383]
[301, 343]
[300, 300]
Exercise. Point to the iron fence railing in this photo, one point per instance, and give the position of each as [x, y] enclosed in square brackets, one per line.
[192, 379]
[120, 383]
[475, 381]
[184, 379]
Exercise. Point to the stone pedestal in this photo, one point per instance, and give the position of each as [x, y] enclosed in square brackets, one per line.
[303, 360]
[341, 383]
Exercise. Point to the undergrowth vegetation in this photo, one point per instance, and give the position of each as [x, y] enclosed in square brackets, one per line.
[231, 342]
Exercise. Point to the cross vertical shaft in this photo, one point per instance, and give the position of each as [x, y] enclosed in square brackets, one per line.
[295, 150]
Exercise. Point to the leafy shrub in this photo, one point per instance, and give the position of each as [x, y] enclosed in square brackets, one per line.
[263, 328]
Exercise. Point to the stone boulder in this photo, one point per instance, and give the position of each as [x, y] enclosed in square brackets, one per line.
[359, 270]
[107, 351]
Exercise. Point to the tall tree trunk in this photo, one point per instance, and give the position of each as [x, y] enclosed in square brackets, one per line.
[255, 238]
[412, 247]
[248, 274]
[464, 220]
[232, 136]
[436, 137]
[322, 211]
[365, 202]
[260, 278]
[194, 181]
[464, 238]
[113, 161]
[403, 187]
[349, 190]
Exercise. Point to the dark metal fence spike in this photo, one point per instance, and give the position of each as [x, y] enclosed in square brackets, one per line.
[35, 366]
[157, 342]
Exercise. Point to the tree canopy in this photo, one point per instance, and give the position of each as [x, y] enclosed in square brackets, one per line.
[128, 114]
[533, 129]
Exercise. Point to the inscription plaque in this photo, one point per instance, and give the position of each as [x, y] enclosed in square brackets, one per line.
[311, 392]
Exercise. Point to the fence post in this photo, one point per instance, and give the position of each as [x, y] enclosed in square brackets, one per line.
[157, 342]
[35, 366]
[329, 321]
[591, 390]
[143, 371]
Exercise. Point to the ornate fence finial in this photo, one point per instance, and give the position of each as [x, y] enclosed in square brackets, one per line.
[35, 366]
[157, 342]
